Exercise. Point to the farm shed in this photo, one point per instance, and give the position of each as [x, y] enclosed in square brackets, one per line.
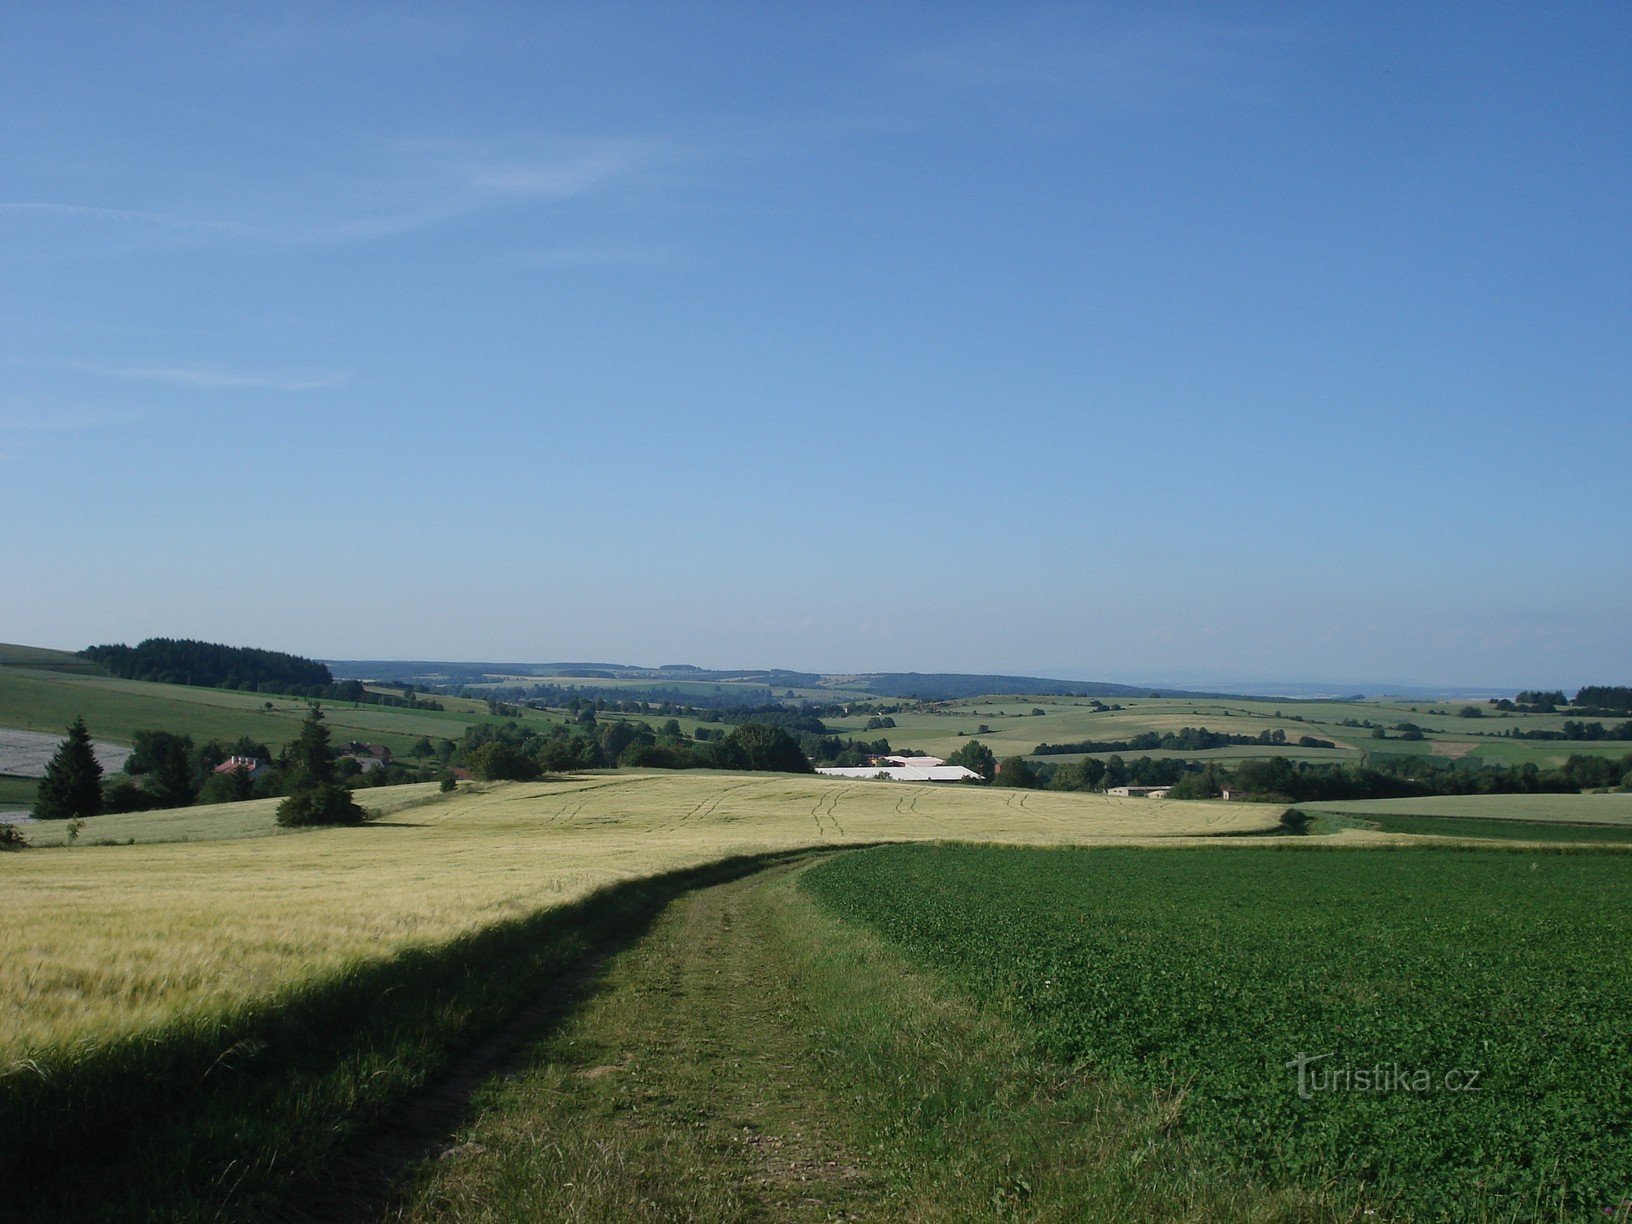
[903, 773]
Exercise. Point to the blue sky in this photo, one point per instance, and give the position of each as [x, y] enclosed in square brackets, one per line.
[1115, 341]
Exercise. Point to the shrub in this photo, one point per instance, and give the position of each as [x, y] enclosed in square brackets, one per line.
[499, 761]
[124, 795]
[11, 838]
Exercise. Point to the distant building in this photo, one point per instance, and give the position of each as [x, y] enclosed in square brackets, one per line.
[1139, 792]
[917, 762]
[902, 773]
[248, 765]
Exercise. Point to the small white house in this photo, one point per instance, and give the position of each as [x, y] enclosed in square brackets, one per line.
[1139, 792]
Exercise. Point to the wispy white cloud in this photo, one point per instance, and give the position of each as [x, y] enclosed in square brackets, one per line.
[398, 187]
[212, 377]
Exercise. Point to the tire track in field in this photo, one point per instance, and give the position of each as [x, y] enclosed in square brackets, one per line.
[704, 807]
[833, 810]
[912, 810]
[831, 800]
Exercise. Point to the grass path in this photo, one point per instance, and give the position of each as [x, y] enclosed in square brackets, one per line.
[753, 1058]
[684, 1088]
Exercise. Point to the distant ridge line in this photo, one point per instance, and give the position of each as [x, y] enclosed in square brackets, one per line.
[927, 686]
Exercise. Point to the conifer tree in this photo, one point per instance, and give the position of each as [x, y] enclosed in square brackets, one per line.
[173, 784]
[315, 794]
[72, 785]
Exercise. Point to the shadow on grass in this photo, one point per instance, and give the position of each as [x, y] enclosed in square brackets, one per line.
[312, 1103]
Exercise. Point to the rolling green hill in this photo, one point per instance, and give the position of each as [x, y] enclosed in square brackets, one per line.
[39, 658]
[114, 710]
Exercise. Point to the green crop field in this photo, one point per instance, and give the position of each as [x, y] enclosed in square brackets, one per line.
[42, 659]
[1487, 830]
[1573, 809]
[1460, 1014]
[17, 792]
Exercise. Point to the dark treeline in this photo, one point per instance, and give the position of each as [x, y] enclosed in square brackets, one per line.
[1599, 700]
[1186, 739]
[1606, 697]
[1402, 778]
[512, 752]
[245, 668]
[1573, 730]
[208, 664]
[1281, 780]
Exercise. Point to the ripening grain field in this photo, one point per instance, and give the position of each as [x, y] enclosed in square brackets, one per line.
[1461, 1014]
[101, 942]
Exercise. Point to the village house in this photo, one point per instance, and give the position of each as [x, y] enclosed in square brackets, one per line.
[254, 768]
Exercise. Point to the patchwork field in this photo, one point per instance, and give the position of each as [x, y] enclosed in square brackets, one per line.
[1015, 730]
[1436, 1034]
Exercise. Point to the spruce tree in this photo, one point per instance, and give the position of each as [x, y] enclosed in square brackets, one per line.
[315, 794]
[172, 783]
[72, 785]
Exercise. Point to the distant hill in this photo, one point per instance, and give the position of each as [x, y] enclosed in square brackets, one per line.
[38, 658]
[928, 686]
[946, 686]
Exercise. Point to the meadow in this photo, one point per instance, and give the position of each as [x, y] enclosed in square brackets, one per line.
[1484, 990]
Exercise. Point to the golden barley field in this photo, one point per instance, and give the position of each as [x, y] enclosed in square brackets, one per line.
[103, 942]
